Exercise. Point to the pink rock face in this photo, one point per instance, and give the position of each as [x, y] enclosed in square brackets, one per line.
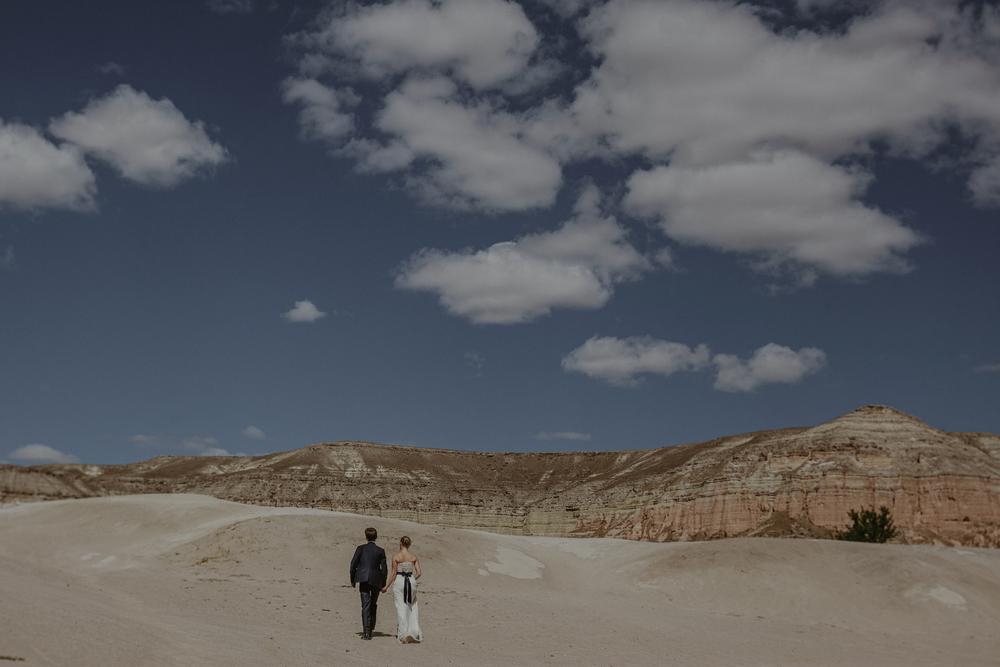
[941, 487]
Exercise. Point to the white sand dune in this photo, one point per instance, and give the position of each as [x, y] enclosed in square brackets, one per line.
[191, 580]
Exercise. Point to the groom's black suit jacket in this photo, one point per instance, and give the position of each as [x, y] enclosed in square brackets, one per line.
[368, 565]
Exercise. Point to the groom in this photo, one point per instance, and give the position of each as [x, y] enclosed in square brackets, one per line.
[368, 569]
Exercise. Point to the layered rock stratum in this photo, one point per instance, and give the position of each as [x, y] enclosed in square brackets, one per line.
[942, 487]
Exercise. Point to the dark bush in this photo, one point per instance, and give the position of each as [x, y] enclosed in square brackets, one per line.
[869, 526]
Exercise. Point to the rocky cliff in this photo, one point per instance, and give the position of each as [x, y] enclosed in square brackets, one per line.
[941, 487]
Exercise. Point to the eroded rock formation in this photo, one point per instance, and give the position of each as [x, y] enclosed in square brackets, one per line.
[940, 486]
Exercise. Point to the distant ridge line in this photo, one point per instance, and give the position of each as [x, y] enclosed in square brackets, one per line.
[941, 487]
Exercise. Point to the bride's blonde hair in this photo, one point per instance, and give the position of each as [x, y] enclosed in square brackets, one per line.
[405, 541]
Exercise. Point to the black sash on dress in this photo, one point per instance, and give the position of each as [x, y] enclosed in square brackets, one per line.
[407, 588]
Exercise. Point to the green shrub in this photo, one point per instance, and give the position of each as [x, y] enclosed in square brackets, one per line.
[869, 526]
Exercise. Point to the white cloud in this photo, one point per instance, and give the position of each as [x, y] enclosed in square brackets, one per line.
[39, 453]
[254, 433]
[562, 435]
[988, 368]
[457, 151]
[148, 141]
[475, 155]
[785, 206]
[769, 364]
[621, 361]
[376, 157]
[984, 184]
[321, 114]
[304, 311]
[757, 125]
[144, 439]
[575, 266]
[665, 258]
[502, 285]
[482, 42]
[36, 173]
[708, 82]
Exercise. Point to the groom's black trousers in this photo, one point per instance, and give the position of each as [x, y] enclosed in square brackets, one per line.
[369, 606]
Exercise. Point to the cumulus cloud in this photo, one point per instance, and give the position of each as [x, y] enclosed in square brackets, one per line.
[769, 364]
[984, 184]
[502, 285]
[304, 311]
[146, 140]
[454, 154]
[39, 453]
[751, 131]
[254, 433]
[321, 113]
[575, 266]
[37, 173]
[378, 157]
[707, 82]
[562, 435]
[473, 155]
[784, 206]
[481, 42]
[621, 361]
[455, 151]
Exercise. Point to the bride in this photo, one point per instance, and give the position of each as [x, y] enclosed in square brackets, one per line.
[403, 581]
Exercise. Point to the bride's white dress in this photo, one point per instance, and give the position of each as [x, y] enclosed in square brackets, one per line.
[407, 612]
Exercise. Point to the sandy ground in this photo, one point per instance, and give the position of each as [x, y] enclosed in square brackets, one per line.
[191, 580]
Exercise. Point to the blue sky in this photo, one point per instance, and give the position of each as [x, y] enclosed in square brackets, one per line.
[246, 226]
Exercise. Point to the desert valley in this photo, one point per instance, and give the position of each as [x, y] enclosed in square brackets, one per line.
[137, 564]
[941, 487]
[663, 331]
[191, 580]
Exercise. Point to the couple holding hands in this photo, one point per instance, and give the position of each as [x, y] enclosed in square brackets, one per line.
[368, 572]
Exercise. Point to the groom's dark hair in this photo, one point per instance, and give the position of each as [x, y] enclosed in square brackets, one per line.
[371, 534]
